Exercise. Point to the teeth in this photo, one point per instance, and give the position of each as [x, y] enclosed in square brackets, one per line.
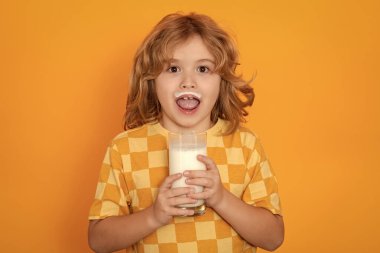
[187, 95]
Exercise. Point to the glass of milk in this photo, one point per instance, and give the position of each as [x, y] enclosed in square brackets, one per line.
[183, 151]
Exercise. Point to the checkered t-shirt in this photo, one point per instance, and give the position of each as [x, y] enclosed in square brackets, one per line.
[136, 163]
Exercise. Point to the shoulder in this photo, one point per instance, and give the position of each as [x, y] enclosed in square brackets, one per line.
[123, 138]
[246, 137]
[222, 126]
[135, 137]
[245, 131]
[241, 137]
[138, 132]
[251, 140]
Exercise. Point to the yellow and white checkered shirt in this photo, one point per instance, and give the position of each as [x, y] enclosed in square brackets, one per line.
[136, 163]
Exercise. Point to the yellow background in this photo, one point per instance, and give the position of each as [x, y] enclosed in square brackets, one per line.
[64, 73]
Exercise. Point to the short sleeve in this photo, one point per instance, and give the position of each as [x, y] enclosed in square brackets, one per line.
[262, 190]
[111, 197]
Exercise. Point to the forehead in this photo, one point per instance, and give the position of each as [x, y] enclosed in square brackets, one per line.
[192, 48]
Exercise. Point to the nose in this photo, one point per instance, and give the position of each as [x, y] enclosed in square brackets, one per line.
[187, 86]
[188, 81]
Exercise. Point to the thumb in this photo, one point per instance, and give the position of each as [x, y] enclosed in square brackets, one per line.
[170, 179]
[210, 165]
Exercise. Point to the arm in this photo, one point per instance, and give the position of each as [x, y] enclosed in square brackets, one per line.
[256, 225]
[114, 233]
[118, 232]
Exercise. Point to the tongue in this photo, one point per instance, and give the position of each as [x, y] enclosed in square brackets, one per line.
[187, 104]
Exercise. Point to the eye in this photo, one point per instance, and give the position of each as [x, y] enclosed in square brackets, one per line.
[203, 69]
[173, 69]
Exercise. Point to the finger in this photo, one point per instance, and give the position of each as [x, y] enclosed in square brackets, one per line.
[195, 173]
[200, 195]
[181, 201]
[175, 192]
[167, 183]
[177, 211]
[202, 181]
[210, 165]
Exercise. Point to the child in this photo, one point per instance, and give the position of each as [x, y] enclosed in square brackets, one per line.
[183, 80]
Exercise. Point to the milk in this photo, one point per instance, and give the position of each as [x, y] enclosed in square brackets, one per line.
[184, 157]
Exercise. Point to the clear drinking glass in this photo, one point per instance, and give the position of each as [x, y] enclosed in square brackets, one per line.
[183, 151]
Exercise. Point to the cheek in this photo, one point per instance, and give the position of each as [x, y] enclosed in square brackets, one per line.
[213, 96]
[160, 93]
[162, 96]
[215, 89]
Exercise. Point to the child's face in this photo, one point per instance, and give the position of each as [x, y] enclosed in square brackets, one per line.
[188, 88]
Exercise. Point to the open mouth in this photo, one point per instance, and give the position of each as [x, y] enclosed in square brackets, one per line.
[188, 101]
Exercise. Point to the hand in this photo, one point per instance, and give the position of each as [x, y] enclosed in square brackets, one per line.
[164, 208]
[210, 179]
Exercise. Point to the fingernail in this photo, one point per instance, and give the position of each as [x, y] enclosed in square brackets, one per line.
[186, 173]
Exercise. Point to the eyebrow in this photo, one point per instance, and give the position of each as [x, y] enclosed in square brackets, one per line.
[173, 60]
